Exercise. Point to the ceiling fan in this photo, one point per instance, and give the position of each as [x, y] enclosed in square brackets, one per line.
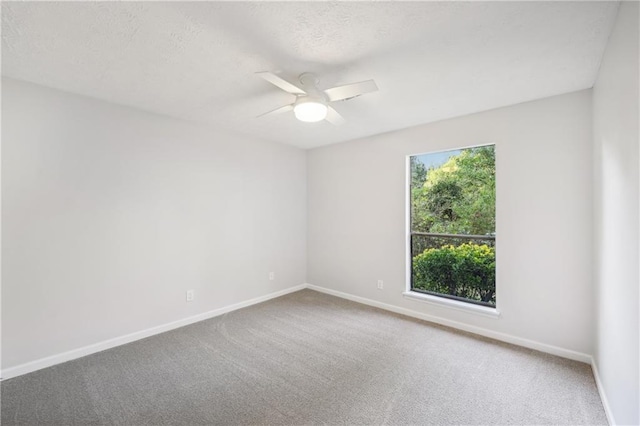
[312, 104]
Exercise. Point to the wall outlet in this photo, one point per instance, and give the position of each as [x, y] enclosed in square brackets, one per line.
[189, 295]
[380, 285]
[272, 276]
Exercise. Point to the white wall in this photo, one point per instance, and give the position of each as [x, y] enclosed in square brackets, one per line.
[110, 214]
[616, 155]
[356, 216]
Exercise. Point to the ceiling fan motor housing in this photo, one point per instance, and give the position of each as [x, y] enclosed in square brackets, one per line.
[309, 83]
[309, 80]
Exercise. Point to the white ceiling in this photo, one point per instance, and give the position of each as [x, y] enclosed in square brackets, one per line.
[196, 60]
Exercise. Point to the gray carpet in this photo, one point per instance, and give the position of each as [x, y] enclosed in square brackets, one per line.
[308, 358]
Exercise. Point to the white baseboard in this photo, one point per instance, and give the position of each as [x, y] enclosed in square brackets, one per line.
[603, 395]
[503, 337]
[117, 341]
[519, 341]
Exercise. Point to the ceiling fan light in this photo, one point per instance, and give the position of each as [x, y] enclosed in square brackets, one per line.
[310, 112]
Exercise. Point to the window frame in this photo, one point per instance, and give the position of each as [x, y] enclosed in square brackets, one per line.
[442, 300]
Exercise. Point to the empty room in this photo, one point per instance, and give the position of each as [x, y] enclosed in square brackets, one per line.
[336, 213]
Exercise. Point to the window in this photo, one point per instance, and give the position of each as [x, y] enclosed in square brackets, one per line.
[452, 225]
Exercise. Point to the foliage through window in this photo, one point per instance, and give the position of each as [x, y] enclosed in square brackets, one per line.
[453, 199]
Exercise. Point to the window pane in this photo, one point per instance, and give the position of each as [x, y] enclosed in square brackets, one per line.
[453, 224]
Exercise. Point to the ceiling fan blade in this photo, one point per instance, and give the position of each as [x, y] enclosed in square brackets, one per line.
[285, 108]
[282, 84]
[349, 91]
[333, 117]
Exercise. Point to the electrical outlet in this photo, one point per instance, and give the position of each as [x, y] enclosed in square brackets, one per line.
[380, 285]
[272, 276]
[190, 295]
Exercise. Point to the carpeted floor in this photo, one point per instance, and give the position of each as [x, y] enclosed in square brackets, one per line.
[308, 358]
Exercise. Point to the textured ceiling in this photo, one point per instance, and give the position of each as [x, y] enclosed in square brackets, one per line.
[196, 60]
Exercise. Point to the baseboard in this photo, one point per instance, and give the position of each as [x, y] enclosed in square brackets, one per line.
[503, 337]
[603, 395]
[128, 338]
[118, 341]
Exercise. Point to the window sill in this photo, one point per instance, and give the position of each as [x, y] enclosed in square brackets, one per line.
[453, 304]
